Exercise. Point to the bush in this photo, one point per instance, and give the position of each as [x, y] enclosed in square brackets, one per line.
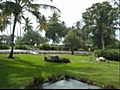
[110, 87]
[45, 46]
[24, 47]
[59, 48]
[3, 46]
[36, 84]
[53, 48]
[110, 54]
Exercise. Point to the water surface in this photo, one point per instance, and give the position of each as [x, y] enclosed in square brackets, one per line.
[69, 84]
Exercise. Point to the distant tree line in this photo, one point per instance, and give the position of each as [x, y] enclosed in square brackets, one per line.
[96, 30]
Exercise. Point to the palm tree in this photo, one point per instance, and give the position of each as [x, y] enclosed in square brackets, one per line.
[28, 25]
[43, 23]
[99, 19]
[17, 8]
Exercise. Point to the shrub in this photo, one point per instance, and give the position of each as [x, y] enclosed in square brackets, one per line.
[53, 48]
[45, 46]
[3, 46]
[110, 87]
[24, 47]
[110, 54]
[36, 84]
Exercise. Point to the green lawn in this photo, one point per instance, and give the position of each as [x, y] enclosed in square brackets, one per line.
[18, 72]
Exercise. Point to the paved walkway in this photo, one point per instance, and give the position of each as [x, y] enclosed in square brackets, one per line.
[43, 52]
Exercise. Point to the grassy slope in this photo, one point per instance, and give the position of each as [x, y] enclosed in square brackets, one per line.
[19, 72]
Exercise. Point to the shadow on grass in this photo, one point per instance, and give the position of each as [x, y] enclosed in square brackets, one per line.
[17, 73]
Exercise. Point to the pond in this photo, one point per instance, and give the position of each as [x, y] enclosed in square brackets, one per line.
[69, 84]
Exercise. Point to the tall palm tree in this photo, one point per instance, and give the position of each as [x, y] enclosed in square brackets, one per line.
[99, 19]
[17, 8]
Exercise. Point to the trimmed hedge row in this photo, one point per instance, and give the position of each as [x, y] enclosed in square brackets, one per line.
[51, 47]
[3, 46]
[23, 47]
[110, 54]
[46, 47]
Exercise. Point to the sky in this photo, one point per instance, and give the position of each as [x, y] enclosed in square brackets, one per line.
[71, 10]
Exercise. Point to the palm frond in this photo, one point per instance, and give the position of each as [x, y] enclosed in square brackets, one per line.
[4, 24]
[34, 7]
[35, 13]
[42, 23]
[6, 8]
[28, 25]
[45, 6]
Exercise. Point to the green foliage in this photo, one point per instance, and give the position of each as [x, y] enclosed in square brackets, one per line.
[93, 48]
[3, 46]
[60, 47]
[72, 40]
[45, 46]
[99, 22]
[36, 84]
[53, 47]
[24, 47]
[19, 41]
[110, 54]
[115, 45]
[56, 29]
[17, 9]
[32, 37]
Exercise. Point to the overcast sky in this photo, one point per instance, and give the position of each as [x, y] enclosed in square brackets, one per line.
[71, 10]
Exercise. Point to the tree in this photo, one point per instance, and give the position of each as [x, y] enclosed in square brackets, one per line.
[83, 33]
[17, 8]
[28, 25]
[43, 25]
[32, 38]
[99, 19]
[56, 29]
[72, 40]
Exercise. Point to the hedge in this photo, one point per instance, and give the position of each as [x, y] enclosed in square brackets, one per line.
[23, 47]
[109, 54]
[3, 46]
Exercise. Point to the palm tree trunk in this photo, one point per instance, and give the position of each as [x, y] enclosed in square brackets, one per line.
[12, 45]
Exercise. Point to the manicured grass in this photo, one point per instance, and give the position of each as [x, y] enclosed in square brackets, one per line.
[18, 72]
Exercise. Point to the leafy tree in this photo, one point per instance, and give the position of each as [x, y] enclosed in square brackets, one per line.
[83, 33]
[72, 40]
[99, 19]
[32, 38]
[56, 29]
[16, 9]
